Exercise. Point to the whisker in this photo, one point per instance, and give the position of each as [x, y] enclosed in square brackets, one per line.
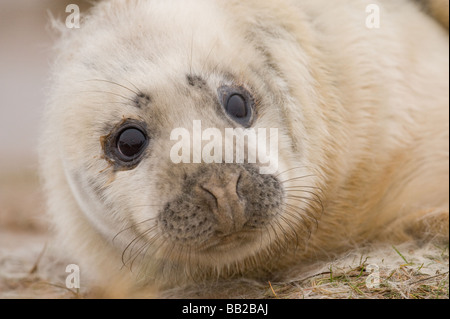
[168, 257]
[192, 50]
[294, 213]
[283, 231]
[293, 230]
[137, 254]
[303, 216]
[189, 264]
[144, 221]
[260, 240]
[181, 257]
[302, 186]
[305, 229]
[133, 85]
[112, 93]
[133, 255]
[295, 233]
[297, 178]
[305, 200]
[143, 257]
[115, 83]
[293, 191]
[134, 241]
[278, 242]
[215, 68]
[207, 57]
[289, 170]
[157, 243]
[112, 103]
[268, 234]
[145, 205]
[317, 199]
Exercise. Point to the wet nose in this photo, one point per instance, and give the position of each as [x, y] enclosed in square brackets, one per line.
[222, 196]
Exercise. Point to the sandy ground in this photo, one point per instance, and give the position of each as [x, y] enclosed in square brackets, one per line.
[27, 267]
[25, 57]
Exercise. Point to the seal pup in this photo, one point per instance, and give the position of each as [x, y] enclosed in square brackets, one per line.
[362, 119]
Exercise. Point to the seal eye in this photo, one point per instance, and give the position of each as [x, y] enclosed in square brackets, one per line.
[130, 144]
[237, 103]
[237, 107]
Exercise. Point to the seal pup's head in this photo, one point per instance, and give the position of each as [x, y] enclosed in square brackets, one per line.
[120, 152]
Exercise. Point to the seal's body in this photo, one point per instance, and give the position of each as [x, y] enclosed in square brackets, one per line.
[362, 118]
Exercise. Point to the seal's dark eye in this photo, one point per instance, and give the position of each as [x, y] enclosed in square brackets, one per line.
[237, 103]
[130, 144]
[124, 146]
[236, 106]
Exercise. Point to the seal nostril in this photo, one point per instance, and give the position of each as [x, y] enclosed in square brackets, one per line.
[237, 185]
[210, 197]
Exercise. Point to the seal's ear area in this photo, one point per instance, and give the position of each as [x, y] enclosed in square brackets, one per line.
[270, 20]
[282, 34]
[60, 25]
[438, 9]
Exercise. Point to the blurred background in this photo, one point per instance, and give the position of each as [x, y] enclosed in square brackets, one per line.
[26, 40]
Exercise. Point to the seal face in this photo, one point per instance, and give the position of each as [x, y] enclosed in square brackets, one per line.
[140, 152]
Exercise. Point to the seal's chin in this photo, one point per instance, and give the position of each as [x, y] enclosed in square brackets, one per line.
[229, 243]
[216, 251]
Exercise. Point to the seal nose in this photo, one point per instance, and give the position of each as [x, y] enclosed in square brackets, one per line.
[223, 198]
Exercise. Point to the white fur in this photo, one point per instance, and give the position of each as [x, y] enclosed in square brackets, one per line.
[365, 111]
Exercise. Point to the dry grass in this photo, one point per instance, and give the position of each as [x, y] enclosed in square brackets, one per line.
[417, 273]
[29, 267]
[405, 272]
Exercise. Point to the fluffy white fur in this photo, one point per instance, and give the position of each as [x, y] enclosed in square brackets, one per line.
[363, 112]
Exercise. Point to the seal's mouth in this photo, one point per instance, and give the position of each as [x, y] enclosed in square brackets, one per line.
[229, 242]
